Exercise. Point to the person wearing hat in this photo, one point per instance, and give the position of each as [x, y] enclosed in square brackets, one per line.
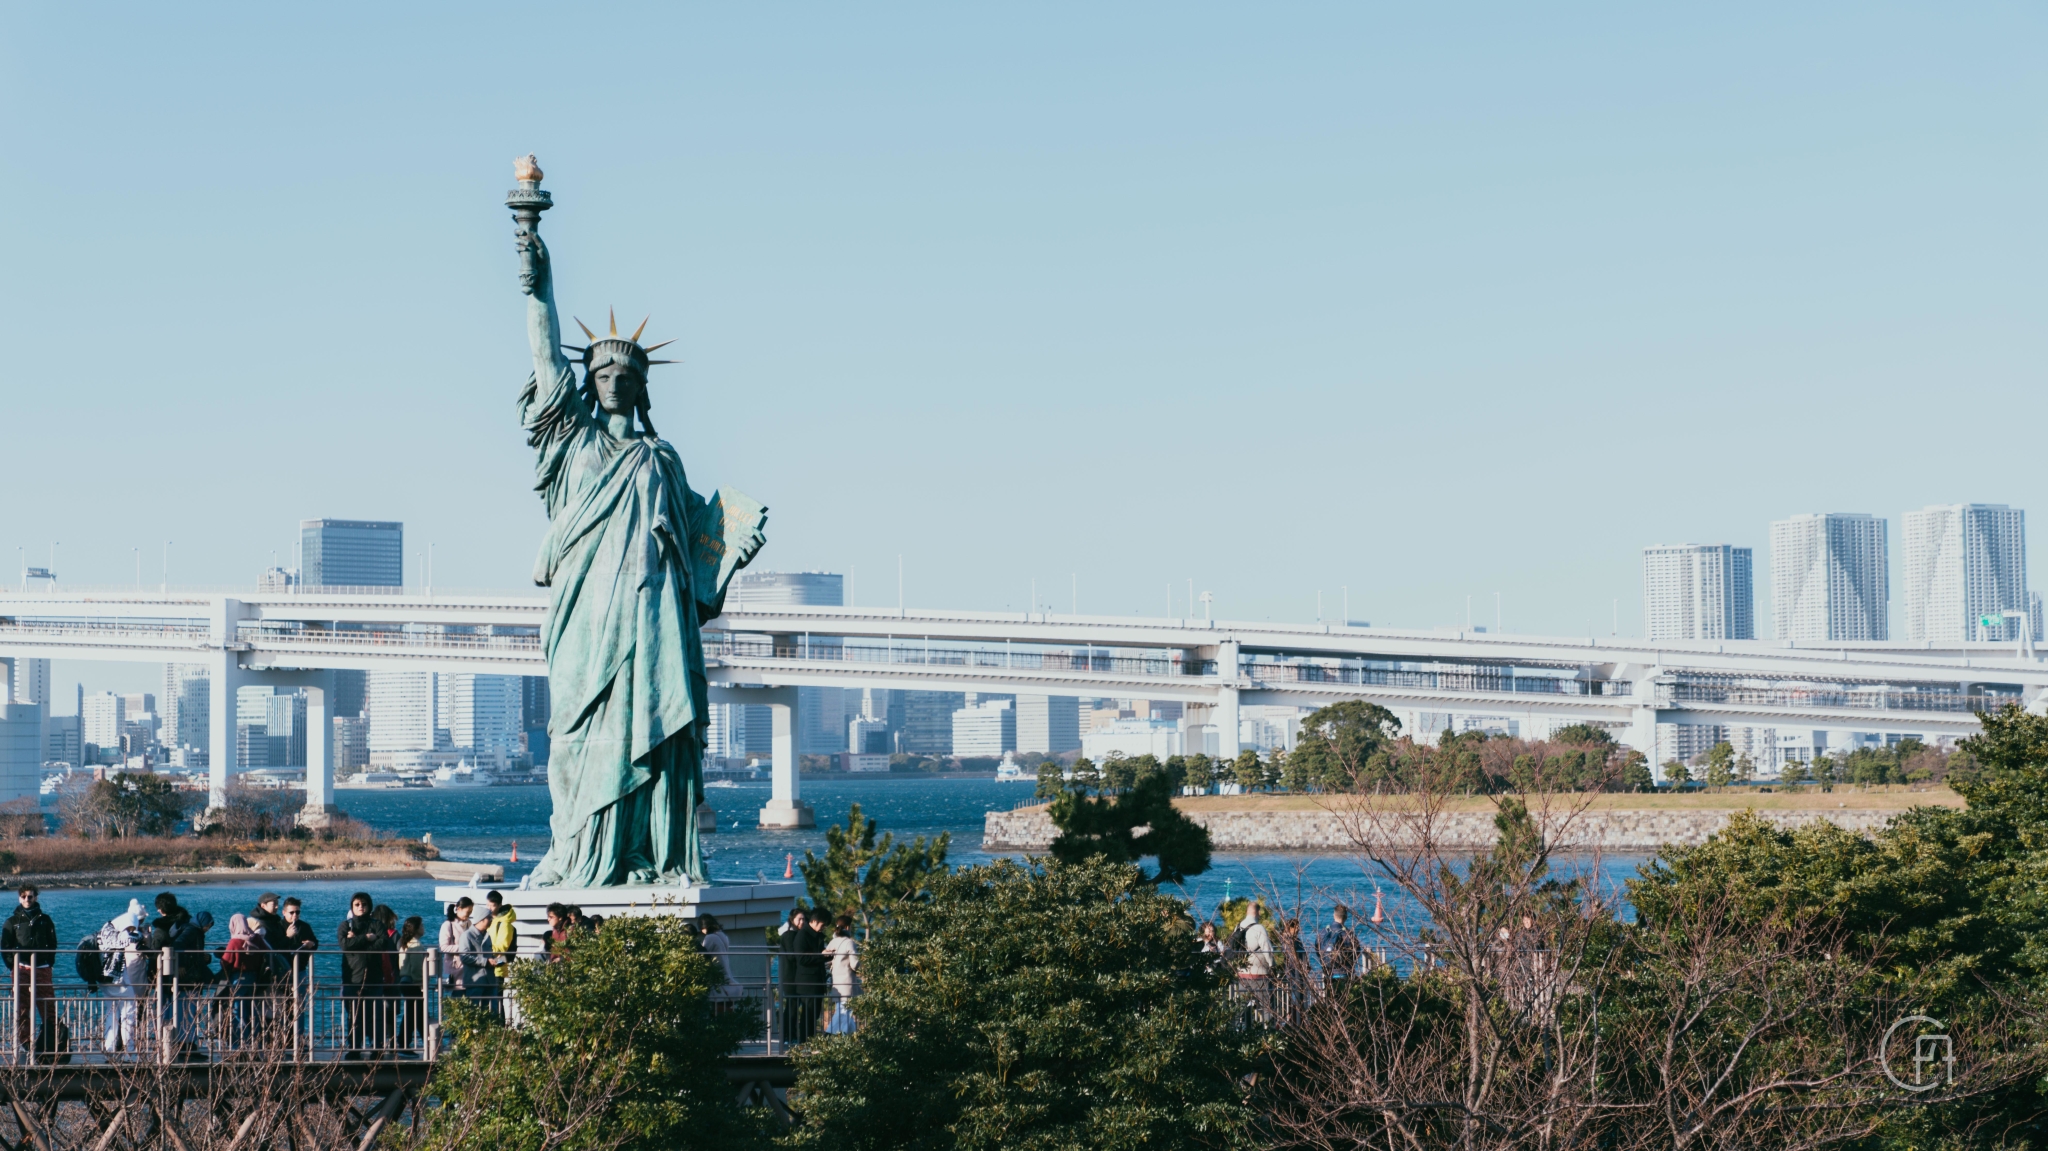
[28, 943]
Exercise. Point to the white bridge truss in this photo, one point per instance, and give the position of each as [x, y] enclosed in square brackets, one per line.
[755, 654]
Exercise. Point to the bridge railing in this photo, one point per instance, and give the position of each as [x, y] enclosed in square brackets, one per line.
[1854, 699]
[832, 650]
[275, 638]
[1481, 680]
[104, 631]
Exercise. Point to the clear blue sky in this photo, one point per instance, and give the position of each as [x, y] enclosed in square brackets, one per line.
[1426, 301]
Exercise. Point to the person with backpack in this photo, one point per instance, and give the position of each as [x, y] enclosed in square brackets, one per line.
[125, 966]
[28, 945]
[1337, 947]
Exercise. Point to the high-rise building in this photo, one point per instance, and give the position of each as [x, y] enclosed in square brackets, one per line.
[1965, 563]
[351, 744]
[61, 742]
[1048, 724]
[185, 705]
[284, 722]
[351, 553]
[32, 682]
[534, 705]
[928, 721]
[1698, 591]
[1829, 577]
[866, 736]
[403, 716]
[822, 711]
[985, 729]
[21, 751]
[101, 717]
[482, 715]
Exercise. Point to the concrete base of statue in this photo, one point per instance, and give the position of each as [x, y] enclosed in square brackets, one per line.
[322, 815]
[787, 813]
[742, 908]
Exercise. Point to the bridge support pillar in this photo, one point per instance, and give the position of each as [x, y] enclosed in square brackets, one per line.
[786, 807]
[319, 810]
[225, 676]
[1227, 746]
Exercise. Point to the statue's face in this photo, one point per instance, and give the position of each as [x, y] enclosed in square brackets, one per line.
[618, 388]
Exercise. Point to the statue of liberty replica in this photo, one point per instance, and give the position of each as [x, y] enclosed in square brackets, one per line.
[634, 562]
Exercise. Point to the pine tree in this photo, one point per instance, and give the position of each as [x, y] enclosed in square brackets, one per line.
[866, 879]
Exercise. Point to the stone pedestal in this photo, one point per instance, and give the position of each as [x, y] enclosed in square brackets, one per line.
[787, 813]
[317, 816]
[738, 906]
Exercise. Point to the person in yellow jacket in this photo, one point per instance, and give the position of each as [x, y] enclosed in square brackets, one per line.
[502, 930]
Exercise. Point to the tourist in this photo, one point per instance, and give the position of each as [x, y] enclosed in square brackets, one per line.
[268, 923]
[1207, 944]
[245, 965]
[844, 959]
[811, 970]
[1337, 948]
[182, 970]
[28, 945]
[362, 940]
[449, 943]
[718, 946]
[790, 975]
[412, 979]
[127, 964]
[475, 959]
[558, 931]
[387, 984]
[1258, 945]
[504, 931]
[300, 942]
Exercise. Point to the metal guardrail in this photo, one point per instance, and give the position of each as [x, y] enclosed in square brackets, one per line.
[1503, 682]
[302, 1010]
[912, 654]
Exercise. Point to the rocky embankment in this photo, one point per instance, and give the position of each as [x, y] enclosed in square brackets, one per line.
[1031, 829]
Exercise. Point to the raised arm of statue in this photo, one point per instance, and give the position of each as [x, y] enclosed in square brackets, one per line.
[543, 323]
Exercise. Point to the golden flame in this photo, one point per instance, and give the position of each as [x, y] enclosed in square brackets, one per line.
[526, 168]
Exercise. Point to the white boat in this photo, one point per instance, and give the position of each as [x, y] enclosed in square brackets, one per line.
[1010, 769]
[463, 775]
[720, 783]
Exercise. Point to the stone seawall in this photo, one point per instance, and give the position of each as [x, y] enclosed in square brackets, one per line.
[1031, 829]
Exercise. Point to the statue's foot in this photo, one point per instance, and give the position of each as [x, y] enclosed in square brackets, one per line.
[643, 877]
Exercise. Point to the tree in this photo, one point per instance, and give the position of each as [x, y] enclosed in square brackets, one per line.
[1118, 773]
[128, 805]
[1198, 772]
[1337, 744]
[1086, 775]
[1044, 1007]
[1137, 823]
[1050, 780]
[1247, 771]
[1583, 734]
[1720, 764]
[618, 1046]
[870, 880]
[1675, 774]
[1635, 772]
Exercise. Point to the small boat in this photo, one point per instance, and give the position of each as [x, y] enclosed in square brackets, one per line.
[720, 783]
[1010, 769]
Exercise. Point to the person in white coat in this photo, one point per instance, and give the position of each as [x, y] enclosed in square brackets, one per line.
[128, 963]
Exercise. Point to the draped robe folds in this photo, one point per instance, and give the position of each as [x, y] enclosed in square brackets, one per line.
[634, 562]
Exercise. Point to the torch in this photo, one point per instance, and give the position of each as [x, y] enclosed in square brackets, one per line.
[527, 201]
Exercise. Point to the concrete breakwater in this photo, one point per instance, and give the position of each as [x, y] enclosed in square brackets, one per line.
[1031, 829]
